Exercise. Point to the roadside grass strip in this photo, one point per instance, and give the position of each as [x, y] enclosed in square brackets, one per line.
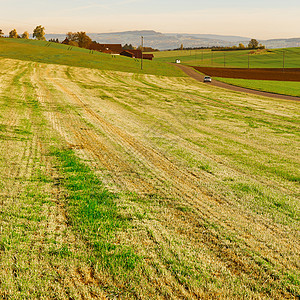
[278, 87]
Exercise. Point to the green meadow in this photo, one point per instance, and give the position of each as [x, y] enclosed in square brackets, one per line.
[272, 58]
[279, 87]
[240, 59]
[46, 52]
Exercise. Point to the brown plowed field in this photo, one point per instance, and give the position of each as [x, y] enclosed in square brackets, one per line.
[257, 73]
[199, 77]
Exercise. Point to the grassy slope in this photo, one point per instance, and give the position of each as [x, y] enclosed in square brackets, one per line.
[159, 142]
[45, 52]
[278, 87]
[272, 59]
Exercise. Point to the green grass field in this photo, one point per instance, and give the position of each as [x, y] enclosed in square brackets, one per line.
[278, 87]
[45, 52]
[122, 185]
[262, 59]
[258, 59]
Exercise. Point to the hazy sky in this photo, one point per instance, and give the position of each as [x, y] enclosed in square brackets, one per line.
[260, 19]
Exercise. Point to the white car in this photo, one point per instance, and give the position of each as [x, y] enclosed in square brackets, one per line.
[207, 79]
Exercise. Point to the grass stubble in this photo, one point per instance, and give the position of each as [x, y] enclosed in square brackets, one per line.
[41, 257]
[142, 186]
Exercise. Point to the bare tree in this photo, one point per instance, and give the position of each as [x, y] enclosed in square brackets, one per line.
[39, 33]
[13, 34]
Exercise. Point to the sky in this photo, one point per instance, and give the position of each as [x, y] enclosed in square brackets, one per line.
[261, 19]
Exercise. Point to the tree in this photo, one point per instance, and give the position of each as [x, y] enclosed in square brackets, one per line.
[73, 43]
[80, 39]
[25, 35]
[13, 34]
[71, 36]
[54, 41]
[253, 44]
[241, 46]
[128, 47]
[1, 33]
[83, 40]
[39, 33]
[261, 46]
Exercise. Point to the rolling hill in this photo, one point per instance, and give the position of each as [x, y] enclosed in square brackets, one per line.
[46, 52]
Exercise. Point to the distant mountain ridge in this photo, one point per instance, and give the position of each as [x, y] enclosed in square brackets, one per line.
[164, 41]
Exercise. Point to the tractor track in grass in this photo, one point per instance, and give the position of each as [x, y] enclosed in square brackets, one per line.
[183, 183]
[74, 279]
[135, 164]
[194, 241]
[84, 139]
[197, 76]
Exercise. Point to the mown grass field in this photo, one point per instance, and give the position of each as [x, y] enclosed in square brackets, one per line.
[257, 59]
[138, 186]
[278, 87]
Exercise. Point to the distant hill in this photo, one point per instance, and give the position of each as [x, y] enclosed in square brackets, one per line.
[164, 41]
[282, 43]
[227, 38]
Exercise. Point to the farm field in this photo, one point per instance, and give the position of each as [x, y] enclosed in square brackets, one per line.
[257, 59]
[45, 52]
[278, 87]
[140, 186]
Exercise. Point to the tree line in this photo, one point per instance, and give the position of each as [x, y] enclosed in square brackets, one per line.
[253, 44]
[38, 33]
[77, 39]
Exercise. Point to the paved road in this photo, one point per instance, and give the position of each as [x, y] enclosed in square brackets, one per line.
[192, 73]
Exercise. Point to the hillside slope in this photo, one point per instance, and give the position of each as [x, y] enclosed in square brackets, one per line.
[45, 52]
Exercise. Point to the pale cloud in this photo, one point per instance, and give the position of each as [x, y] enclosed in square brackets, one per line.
[106, 6]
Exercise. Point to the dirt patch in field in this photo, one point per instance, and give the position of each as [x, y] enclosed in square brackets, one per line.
[278, 74]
